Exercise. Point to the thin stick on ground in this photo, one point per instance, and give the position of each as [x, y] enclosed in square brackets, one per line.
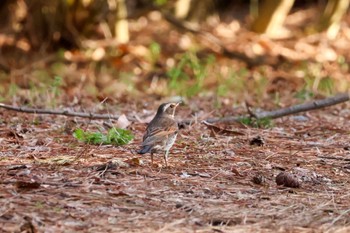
[334, 158]
[59, 112]
[317, 104]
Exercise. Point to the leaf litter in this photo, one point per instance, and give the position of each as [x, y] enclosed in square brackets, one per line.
[216, 182]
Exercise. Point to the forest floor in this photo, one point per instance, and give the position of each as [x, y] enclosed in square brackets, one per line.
[216, 182]
[50, 182]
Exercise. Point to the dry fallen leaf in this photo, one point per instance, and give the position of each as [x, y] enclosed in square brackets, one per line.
[235, 171]
[217, 130]
[123, 122]
[134, 162]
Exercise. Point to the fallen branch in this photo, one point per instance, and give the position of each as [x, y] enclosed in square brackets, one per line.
[59, 112]
[317, 104]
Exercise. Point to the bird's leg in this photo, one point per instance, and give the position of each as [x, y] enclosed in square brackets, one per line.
[152, 157]
[166, 158]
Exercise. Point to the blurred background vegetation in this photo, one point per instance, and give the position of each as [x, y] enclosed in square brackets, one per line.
[76, 51]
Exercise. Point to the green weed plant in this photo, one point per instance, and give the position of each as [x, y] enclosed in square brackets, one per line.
[114, 136]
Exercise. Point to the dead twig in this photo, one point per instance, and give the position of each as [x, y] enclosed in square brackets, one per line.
[334, 158]
[317, 104]
[340, 216]
[61, 112]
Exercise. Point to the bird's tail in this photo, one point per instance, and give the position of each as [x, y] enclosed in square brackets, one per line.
[145, 149]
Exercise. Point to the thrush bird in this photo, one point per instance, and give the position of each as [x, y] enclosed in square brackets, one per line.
[161, 132]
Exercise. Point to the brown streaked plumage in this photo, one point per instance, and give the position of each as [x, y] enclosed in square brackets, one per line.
[161, 132]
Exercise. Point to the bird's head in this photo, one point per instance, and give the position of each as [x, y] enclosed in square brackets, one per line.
[168, 109]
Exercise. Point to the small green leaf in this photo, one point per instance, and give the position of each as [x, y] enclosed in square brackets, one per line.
[119, 136]
[79, 134]
[258, 123]
[114, 137]
[95, 138]
[246, 121]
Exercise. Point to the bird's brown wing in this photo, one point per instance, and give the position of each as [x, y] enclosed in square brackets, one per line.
[155, 133]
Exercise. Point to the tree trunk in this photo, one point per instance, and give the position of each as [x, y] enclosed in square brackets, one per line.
[330, 20]
[272, 14]
[182, 8]
[121, 25]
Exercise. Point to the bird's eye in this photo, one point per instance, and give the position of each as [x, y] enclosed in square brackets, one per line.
[172, 105]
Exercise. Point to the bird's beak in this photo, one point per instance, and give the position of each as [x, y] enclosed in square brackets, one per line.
[178, 103]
